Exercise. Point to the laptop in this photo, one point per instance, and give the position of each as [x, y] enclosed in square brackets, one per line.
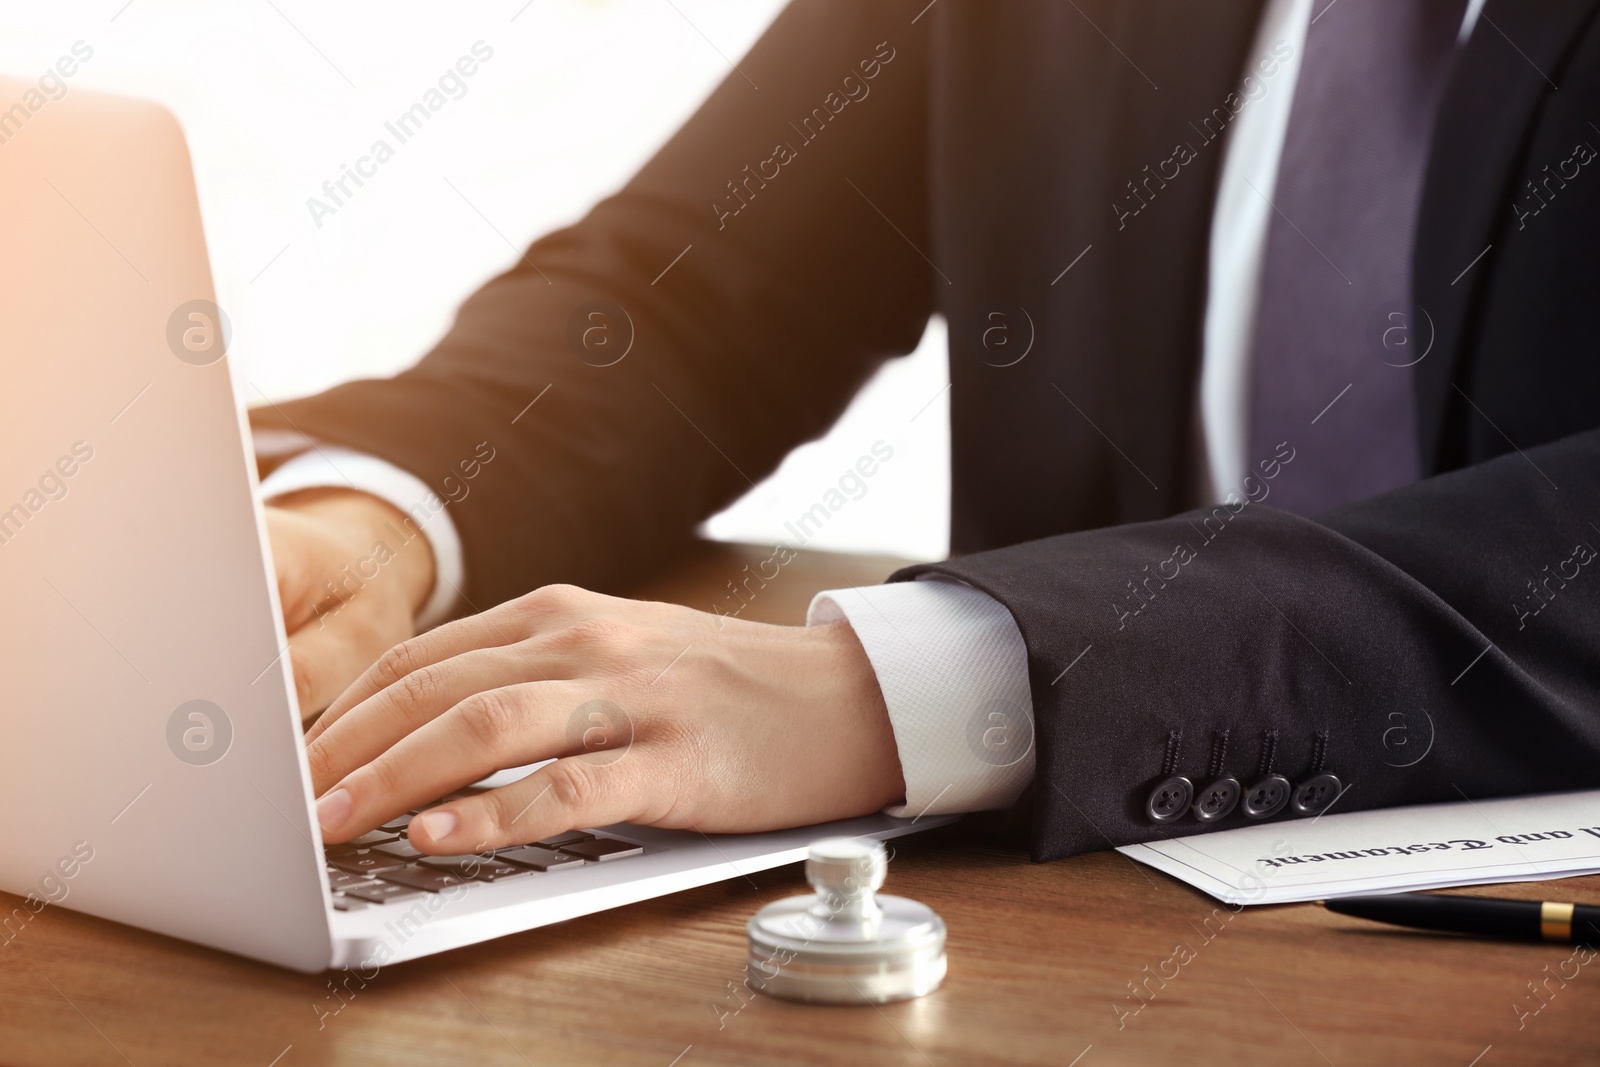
[151, 763]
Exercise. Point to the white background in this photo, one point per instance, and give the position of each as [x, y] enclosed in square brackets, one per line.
[276, 95]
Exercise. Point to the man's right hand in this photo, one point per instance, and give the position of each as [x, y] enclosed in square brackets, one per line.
[351, 584]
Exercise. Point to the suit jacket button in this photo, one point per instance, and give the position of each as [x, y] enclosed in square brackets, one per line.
[1169, 799]
[1217, 799]
[1267, 797]
[1313, 797]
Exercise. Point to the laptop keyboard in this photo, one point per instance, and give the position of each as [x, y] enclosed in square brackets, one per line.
[381, 866]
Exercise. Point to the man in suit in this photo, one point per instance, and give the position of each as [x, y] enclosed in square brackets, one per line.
[1274, 409]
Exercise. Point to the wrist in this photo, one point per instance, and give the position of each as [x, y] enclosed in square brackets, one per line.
[864, 702]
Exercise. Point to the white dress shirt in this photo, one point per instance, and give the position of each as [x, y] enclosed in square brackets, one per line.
[949, 659]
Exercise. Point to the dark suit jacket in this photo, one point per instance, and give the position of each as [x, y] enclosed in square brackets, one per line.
[888, 169]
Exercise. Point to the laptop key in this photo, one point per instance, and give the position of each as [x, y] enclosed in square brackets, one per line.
[382, 892]
[500, 872]
[458, 863]
[341, 880]
[349, 904]
[366, 840]
[602, 848]
[402, 849]
[425, 878]
[372, 862]
[540, 859]
[397, 824]
[562, 840]
[477, 868]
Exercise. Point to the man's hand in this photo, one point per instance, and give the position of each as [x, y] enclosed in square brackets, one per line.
[352, 574]
[654, 713]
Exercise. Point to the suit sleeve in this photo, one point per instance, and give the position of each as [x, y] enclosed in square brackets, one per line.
[677, 341]
[1432, 644]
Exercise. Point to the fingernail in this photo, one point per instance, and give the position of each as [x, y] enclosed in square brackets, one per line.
[334, 809]
[437, 825]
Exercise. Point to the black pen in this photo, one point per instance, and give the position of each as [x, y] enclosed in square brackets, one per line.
[1523, 920]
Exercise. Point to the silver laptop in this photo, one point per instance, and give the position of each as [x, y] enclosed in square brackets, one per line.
[151, 762]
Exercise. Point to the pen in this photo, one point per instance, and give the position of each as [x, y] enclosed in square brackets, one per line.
[1523, 920]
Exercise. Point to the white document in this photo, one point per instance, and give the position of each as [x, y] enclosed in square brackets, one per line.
[1429, 846]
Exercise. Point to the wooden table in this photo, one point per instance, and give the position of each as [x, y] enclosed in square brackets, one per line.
[1041, 961]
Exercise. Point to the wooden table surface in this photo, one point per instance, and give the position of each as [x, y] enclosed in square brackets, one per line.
[1041, 962]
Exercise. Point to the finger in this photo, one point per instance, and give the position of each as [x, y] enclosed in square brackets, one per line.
[330, 651]
[499, 728]
[340, 744]
[452, 639]
[397, 662]
[304, 557]
[515, 620]
[593, 789]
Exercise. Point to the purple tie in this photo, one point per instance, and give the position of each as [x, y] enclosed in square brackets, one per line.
[1335, 336]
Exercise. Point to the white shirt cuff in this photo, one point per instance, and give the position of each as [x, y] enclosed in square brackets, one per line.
[954, 673]
[331, 467]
